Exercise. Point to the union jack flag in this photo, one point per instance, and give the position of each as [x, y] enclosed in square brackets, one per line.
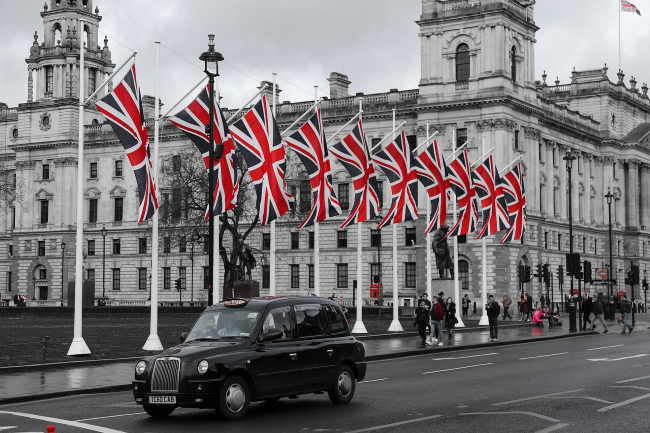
[193, 120]
[433, 176]
[261, 144]
[515, 195]
[353, 153]
[311, 146]
[490, 190]
[630, 7]
[460, 180]
[397, 162]
[123, 110]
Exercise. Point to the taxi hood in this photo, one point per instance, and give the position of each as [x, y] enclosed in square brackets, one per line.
[205, 349]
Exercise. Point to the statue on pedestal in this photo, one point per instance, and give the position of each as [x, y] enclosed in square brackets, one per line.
[440, 248]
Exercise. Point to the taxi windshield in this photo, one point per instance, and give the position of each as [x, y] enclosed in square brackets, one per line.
[224, 323]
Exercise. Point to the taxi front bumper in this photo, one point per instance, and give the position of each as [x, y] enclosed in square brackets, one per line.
[195, 393]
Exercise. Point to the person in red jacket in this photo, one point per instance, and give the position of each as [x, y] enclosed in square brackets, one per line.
[437, 316]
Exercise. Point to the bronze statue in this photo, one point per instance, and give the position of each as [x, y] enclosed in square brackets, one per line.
[441, 250]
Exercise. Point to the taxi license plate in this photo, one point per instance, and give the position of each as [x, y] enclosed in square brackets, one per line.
[162, 399]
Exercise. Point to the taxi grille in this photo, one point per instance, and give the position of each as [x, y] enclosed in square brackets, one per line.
[165, 375]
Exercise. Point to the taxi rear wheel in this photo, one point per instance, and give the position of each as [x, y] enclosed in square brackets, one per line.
[234, 398]
[344, 386]
[158, 411]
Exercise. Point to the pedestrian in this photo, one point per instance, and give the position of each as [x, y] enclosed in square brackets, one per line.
[520, 305]
[466, 304]
[507, 302]
[587, 305]
[626, 310]
[528, 301]
[492, 308]
[597, 310]
[538, 317]
[422, 321]
[427, 305]
[450, 316]
[437, 316]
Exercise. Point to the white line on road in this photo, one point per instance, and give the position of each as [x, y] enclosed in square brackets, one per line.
[383, 379]
[514, 412]
[458, 368]
[623, 403]
[580, 397]
[76, 424]
[395, 424]
[537, 397]
[111, 416]
[639, 388]
[464, 357]
[634, 379]
[9, 427]
[543, 356]
[641, 355]
[552, 428]
[606, 347]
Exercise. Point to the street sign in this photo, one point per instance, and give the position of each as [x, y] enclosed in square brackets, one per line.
[374, 290]
[602, 274]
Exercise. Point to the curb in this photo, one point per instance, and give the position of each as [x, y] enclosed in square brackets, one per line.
[414, 333]
[397, 355]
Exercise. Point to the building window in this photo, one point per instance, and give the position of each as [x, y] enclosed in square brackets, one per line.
[92, 80]
[462, 64]
[176, 163]
[380, 193]
[513, 64]
[266, 276]
[310, 276]
[91, 247]
[182, 274]
[516, 139]
[118, 165]
[618, 248]
[41, 248]
[305, 196]
[410, 237]
[596, 246]
[295, 240]
[92, 210]
[116, 278]
[342, 275]
[167, 245]
[556, 201]
[167, 278]
[118, 210]
[375, 238]
[344, 195]
[9, 281]
[461, 137]
[614, 171]
[559, 241]
[463, 274]
[311, 240]
[584, 244]
[93, 170]
[90, 275]
[342, 239]
[117, 246]
[13, 217]
[266, 241]
[142, 278]
[49, 80]
[45, 214]
[11, 250]
[206, 278]
[142, 246]
[554, 153]
[177, 206]
[42, 274]
[375, 273]
[46, 172]
[295, 276]
[541, 198]
[540, 152]
[409, 274]
[545, 240]
[182, 244]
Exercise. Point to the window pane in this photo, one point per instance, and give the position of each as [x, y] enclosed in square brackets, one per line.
[342, 275]
[336, 320]
[462, 63]
[344, 195]
[295, 240]
[295, 276]
[310, 270]
[266, 241]
[116, 279]
[310, 320]
[45, 207]
[92, 210]
[342, 239]
[280, 319]
[118, 209]
[266, 276]
[409, 274]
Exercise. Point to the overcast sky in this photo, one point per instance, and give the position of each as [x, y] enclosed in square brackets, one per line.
[373, 41]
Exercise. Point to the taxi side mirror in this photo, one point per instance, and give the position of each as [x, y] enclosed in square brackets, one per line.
[271, 334]
[183, 337]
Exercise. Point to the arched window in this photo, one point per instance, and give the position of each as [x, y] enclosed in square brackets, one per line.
[85, 36]
[57, 34]
[462, 64]
[463, 274]
[513, 64]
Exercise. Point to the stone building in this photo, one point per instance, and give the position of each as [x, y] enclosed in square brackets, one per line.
[477, 83]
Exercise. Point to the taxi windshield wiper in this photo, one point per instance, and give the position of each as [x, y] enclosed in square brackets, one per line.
[204, 339]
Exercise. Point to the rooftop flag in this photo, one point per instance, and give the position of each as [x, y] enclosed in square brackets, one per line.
[627, 6]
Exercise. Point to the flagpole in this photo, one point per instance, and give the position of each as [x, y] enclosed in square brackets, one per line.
[620, 36]
[359, 326]
[273, 234]
[184, 96]
[427, 243]
[302, 116]
[217, 291]
[395, 326]
[457, 299]
[153, 343]
[387, 138]
[484, 318]
[243, 107]
[108, 80]
[78, 345]
[426, 142]
[333, 136]
[317, 230]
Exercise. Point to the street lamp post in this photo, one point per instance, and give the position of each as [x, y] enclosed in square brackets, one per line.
[62, 269]
[194, 239]
[569, 158]
[211, 59]
[610, 197]
[104, 232]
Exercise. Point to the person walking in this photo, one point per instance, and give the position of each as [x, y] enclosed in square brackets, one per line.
[597, 310]
[626, 310]
[450, 317]
[466, 304]
[492, 308]
[507, 302]
[427, 305]
[587, 305]
[422, 321]
[528, 302]
[437, 316]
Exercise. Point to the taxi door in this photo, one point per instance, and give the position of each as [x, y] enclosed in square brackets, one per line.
[313, 344]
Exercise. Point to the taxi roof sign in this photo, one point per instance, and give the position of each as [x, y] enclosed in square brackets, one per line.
[235, 302]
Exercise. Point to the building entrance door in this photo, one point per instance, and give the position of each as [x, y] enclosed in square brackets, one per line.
[42, 293]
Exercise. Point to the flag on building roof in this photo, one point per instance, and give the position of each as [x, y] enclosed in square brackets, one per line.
[310, 144]
[515, 195]
[193, 120]
[627, 6]
[432, 174]
[490, 191]
[260, 142]
[460, 180]
[396, 161]
[353, 153]
[123, 110]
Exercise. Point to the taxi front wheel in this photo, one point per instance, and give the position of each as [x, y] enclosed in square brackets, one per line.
[234, 398]
[344, 386]
[158, 411]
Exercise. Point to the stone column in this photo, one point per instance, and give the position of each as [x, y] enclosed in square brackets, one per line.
[30, 84]
[631, 195]
[645, 197]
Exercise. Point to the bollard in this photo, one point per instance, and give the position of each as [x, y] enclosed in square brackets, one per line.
[51, 429]
[44, 343]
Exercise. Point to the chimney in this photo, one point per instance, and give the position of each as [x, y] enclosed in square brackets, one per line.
[267, 89]
[339, 85]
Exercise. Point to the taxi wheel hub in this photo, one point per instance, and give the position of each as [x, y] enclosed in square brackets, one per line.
[344, 383]
[235, 398]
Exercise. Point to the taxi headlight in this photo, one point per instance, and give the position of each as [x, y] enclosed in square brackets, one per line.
[202, 368]
[140, 367]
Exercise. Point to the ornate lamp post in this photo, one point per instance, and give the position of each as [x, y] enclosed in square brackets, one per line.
[610, 198]
[62, 269]
[211, 59]
[569, 158]
[104, 232]
[193, 239]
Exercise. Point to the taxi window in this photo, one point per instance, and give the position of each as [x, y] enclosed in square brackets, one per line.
[310, 320]
[279, 318]
[224, 323]
[337, 322]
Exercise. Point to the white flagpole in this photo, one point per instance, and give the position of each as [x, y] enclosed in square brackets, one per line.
[216, 258]
[78, 345]
[484, 318]
[273, 234]
[317, 231]
[427, 243]
[359, 326]
[395, 326]
[457, 299]
[153, 343]
[620, 36]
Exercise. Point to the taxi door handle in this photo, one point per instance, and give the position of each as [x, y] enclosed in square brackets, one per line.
[293, 356]
[330, 352]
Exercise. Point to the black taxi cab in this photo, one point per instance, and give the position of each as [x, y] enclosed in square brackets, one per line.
[259, 349]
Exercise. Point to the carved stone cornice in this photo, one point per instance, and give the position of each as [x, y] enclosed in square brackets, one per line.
[531, 133]
[21, 165]
[65, 162]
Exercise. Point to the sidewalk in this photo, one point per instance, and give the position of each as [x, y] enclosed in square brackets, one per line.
[33, 384]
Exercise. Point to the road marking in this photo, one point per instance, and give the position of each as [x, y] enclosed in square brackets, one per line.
[464, 357]
[537, 397]
[606, 347]
[640, 388]
[641, 355]
[543, 356]
[634, 379]
[579, 397]
[458, 368]
[111, 416]
[76, 424]
[514, 412]
[623, 403]
[395, 424]
[9, 427]
[552, 428]
[375, 380]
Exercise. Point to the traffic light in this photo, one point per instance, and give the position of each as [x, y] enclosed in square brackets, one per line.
[560, 274]
[178, 284]
[573, 263]
[538, 272]
[526, 274]
[635, 274]
[587, 271]
[546, 274]
[645, 284]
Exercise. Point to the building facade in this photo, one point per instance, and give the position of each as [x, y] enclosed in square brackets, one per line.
[477, 84]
